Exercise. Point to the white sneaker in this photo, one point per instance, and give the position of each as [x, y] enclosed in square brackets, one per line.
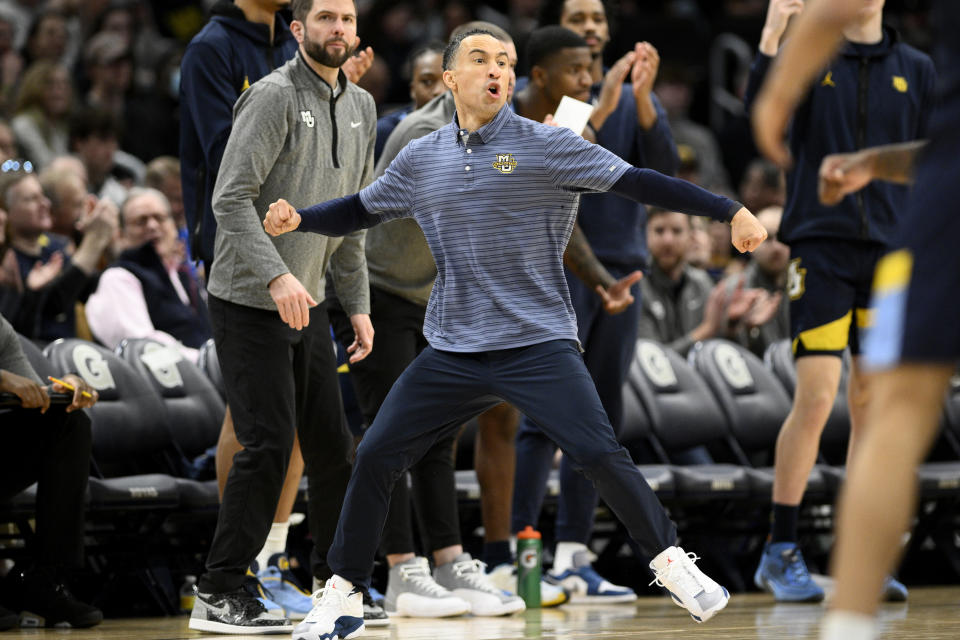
[690, 588]
[337, 613]
[504, 577]
[466, 578]
[412, 592]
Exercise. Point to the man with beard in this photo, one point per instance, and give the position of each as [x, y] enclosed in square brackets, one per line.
[281, 373]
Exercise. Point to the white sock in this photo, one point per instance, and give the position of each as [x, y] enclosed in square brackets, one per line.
[563, 556]
[276, 543]
[848, 625]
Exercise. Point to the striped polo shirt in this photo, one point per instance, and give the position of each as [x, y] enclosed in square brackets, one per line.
[497, 207]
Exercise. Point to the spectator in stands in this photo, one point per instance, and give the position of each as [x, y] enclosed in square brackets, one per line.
[69, 200]
[11, 62]
[8, 143]
[149, 292]
[424, 68]
[163, 174]
[763, 185]
[681, 304]
[29, 226]
[767, 271]
[19, 300]
[109, 67]
[47, 38]
[43, 107]
[698, 251]
[48, 444]
[93, 138]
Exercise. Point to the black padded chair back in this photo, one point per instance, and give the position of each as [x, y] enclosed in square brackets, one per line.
[753, 400]
[210, 365]
[129, 431]
[833, 443]
[683, 413]
[194, 407]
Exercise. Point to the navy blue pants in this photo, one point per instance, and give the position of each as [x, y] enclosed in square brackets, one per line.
[608, 344]
[440, 390]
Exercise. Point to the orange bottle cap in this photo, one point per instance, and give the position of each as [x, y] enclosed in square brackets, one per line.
[528, 533]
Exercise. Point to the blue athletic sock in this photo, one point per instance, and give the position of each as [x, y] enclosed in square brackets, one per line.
[783, 527]
[497, 553]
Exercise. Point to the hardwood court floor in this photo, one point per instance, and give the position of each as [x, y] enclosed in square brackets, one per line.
[930, 614]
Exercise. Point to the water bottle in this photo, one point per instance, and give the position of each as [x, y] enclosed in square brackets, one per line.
[187, 593]
[529, 566]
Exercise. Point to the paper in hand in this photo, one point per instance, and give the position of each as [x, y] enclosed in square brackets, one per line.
[572, 114]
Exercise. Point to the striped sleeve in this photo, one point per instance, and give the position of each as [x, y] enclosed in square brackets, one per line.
[392, 194]
[574, 164]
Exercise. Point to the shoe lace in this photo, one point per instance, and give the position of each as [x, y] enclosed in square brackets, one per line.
[677, 572]
[328, 595]
[795, 568]
[419, 575]
[474, 573]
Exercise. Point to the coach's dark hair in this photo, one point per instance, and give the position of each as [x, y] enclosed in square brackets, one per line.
[546, 41]
[551, 10]
[450, 53]
[301, 8]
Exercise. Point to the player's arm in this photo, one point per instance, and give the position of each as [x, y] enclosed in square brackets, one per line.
[844, 173]
[815, 38]
[581, 260]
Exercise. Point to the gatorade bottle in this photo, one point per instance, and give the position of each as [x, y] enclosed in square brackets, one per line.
[529, 567]
[188, 593]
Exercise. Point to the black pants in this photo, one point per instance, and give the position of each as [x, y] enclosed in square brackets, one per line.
[398, 338]
[53, 450]
[278, 380]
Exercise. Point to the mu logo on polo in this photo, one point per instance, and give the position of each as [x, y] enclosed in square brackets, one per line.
[505, 163]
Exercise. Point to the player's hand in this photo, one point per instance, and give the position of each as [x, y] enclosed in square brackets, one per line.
[842, 174]
[778, 16]
[292, 299]
[610, 91]
[617, 297]
[359, 63]
[32, 395]
[363, 337]
[645, 67]
[281, 218]
[746, 231]
[80, 401]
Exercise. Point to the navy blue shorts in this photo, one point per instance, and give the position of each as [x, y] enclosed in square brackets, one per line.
[829, 285]
[917, 293]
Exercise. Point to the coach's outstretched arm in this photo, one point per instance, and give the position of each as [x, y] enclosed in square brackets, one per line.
[650, 187]
[336, 217]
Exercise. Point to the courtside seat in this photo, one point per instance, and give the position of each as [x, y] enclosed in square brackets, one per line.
[646, 451]
[209, 364]
[755, 405]
[942, 478]
[193, 404]
[131, 441]
[682, 415]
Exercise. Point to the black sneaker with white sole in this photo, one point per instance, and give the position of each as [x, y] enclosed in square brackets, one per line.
[43, 600]
[235, 612]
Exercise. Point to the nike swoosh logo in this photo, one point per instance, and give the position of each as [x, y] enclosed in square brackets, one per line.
[354, 125]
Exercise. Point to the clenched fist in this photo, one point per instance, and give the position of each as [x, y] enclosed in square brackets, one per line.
[281, 218]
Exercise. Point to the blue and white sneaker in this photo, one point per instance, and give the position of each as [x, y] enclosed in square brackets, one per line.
[337, 613]
[783, 573]
[585, 585]
[676, 571]
[894, 590]
[253, 585]
[283, 587]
